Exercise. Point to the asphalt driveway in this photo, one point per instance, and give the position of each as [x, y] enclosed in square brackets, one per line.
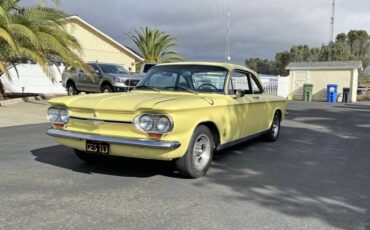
[317, 176]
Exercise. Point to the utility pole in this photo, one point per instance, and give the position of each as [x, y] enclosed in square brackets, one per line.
[227, 49]
[331, 39]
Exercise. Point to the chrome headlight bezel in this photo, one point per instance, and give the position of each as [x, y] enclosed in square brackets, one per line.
[52, 114]
[120, 79]
[154, 128]
[60, 115]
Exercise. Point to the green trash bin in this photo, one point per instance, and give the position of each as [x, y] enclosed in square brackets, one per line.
[307, 92]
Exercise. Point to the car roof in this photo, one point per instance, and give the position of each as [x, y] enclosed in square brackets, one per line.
[104, 63]
[228, 66]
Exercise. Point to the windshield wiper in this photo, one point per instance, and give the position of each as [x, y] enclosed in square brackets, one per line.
[183, 88]
[146, 87]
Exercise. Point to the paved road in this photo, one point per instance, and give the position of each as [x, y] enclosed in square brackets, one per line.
[317, 176]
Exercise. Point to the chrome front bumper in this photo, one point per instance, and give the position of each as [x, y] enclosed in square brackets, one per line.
[114, 140]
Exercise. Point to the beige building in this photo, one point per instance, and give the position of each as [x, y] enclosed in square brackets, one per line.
[97, 46]
[320, 74]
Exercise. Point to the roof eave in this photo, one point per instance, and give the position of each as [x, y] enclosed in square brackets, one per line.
[324, 68]
[105, 36]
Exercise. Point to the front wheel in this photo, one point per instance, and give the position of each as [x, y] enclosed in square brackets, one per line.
[107, 89]
[274, 131]
[198, 157]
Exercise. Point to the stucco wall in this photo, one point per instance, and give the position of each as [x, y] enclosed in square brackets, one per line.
[97, 48]
[320, 79]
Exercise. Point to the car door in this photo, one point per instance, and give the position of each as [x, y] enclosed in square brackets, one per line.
[92, 81]
[82, 84]
[258, 106]
[242, 124]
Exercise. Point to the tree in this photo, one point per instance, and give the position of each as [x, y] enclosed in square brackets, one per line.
[355, 45]
[36, 34]
[154, 45]
[263, 66]
[358, 40]
[282, 59]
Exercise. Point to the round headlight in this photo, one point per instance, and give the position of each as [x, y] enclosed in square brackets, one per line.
[163, 124]
[53, 114]
[146, 123]
[64, 117]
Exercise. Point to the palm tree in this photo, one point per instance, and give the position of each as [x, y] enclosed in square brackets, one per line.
[36, 34]
[154, 45]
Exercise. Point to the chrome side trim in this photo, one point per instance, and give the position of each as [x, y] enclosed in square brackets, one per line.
[114, 140]
[240, 140]
[100, 120]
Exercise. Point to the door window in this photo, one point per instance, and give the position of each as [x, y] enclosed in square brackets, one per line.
[239, 82]
[255, 88]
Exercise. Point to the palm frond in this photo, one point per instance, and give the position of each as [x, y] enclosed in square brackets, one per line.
[154, 45]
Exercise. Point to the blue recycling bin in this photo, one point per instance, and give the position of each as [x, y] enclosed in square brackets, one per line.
[332, 93]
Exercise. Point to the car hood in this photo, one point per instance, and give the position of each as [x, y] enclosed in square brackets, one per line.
[132, 101]
[128, 76]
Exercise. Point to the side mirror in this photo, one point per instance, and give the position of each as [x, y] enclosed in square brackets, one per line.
[239, 93]
[97, 71]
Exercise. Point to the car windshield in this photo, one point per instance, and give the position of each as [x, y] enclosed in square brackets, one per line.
[190, 78]
[115, 69]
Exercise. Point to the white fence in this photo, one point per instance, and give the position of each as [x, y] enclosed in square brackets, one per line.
[275, 85]
[31, 79]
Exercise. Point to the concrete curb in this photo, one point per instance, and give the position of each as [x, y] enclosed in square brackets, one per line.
[28, 99]
[18, 100]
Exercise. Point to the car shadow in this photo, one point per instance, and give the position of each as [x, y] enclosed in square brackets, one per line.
[64, 157]
[318, 169]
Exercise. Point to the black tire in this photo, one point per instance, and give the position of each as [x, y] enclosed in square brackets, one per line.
[195, 164]
[107, 88]
[89, 157]
[71, 89]
[274, 131]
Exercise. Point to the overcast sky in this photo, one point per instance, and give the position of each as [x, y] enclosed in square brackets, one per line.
[259, 28]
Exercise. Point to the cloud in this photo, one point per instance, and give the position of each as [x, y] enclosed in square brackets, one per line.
[258, 28]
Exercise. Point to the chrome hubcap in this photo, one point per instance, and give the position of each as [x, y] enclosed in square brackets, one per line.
[275, 126]
[201, 152]
[70, 90]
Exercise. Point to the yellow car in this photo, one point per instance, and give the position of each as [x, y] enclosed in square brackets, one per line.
[179, 111]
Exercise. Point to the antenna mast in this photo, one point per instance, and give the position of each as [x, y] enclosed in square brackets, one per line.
[228, 58]
[331, 39]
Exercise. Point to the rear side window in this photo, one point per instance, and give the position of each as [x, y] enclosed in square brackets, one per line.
[95, 67]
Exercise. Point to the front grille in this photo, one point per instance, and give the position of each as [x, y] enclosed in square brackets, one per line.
[131, 82]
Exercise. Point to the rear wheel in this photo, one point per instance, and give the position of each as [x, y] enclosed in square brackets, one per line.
[197, 159]
[89, 157]
[71, 89]
[274, 131]
[106, 88]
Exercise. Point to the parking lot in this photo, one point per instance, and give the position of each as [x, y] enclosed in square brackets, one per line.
[315, 177]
